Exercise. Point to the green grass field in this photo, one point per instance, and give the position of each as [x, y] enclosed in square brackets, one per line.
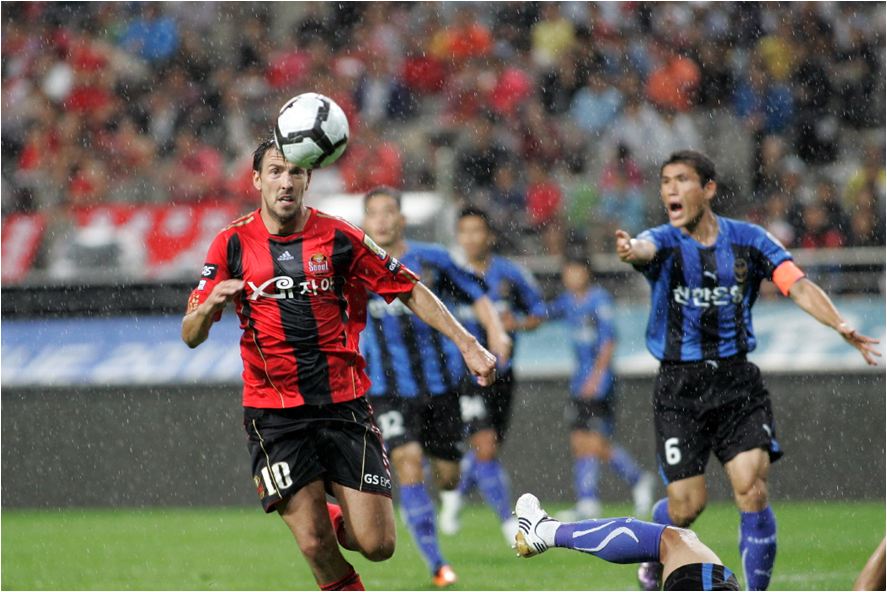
[822, 546]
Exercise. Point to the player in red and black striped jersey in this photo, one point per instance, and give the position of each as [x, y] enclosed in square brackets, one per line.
[298, 279]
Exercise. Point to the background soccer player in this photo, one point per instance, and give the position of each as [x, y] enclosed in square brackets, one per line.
[297, 277]
[705, 272]
[687, 563]
[416, 373]
[588, 310]
[487, 410]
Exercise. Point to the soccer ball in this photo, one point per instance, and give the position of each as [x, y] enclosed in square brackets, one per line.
[311, 130]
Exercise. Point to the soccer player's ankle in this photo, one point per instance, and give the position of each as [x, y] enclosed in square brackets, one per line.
[547, 531]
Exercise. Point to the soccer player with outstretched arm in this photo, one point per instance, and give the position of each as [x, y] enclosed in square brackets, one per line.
[299, 281]
[705, 272]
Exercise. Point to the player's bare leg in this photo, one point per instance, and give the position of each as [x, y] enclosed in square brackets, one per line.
[306, 515]
[686, 500]
[369, 522]
[445, 473]
[679, 546]
[757, 529]
[748, 473]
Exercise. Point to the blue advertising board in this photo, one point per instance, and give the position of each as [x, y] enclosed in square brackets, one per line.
[148, 350]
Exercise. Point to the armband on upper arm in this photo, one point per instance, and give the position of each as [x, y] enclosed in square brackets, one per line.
[786, 275]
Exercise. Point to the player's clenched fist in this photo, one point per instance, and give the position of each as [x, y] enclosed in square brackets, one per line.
[223, 293]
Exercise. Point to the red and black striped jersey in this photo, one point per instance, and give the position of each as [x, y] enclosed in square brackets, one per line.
[303, 306]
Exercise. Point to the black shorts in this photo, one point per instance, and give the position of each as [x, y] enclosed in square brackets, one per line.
[435, 422]
[292, 447]
[592, 415]
[701, 576]
[487, 407]
[710, 406]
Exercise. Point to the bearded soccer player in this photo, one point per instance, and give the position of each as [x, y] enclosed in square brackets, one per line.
[299, 281]
[705, 272]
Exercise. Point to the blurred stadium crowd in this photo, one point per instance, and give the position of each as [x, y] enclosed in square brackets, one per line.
[552, 115]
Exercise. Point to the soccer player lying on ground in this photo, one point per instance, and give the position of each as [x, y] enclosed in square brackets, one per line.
[687, 563]
[297, 278]
[705, 272]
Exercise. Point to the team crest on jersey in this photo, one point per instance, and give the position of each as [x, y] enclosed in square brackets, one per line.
[318, 264]
[740, 270]
[372, 246]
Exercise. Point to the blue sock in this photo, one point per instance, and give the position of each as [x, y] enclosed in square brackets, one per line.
[623, 465]
[660, 513]
[493, 484]
[617, 540]
[468, 470]
[419, 513]
[586, 470]
[757, 547]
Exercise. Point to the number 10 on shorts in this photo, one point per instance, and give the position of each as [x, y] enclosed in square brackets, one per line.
[672, 452]
[277, 478]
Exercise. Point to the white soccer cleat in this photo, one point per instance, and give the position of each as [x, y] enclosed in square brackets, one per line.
[530, 515]
[642, 493]
[448, 519]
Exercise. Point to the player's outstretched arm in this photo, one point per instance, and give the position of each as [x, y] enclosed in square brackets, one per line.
[632, 250]
[817, 304]
[430, 309]
[196, 324]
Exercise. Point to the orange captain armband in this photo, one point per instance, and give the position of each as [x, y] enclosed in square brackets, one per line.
[786, 275]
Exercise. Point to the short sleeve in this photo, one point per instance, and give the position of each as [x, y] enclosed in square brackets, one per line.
[772, 253]
[382, 273]
[215, 270]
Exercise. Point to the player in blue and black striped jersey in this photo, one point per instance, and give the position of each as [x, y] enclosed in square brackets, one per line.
[416, 372]
[705, 272]
[486, 411]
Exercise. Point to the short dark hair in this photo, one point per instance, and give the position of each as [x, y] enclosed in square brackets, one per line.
[699, 162]
[259, 153]
[383, 190]
[480, 213]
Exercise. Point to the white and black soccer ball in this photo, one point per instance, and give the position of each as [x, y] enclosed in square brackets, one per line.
[311, 130]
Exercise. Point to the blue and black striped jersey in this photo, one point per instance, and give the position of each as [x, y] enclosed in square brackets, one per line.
[590, 324]
[702, 296]
[512, 289]
[405, 356]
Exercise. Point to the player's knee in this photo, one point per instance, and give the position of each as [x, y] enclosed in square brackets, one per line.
[317, 549]
[751, 497]
[684, 512]
[381, 548]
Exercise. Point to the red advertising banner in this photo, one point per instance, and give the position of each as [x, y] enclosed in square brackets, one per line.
[22, 235]
[151, 241]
